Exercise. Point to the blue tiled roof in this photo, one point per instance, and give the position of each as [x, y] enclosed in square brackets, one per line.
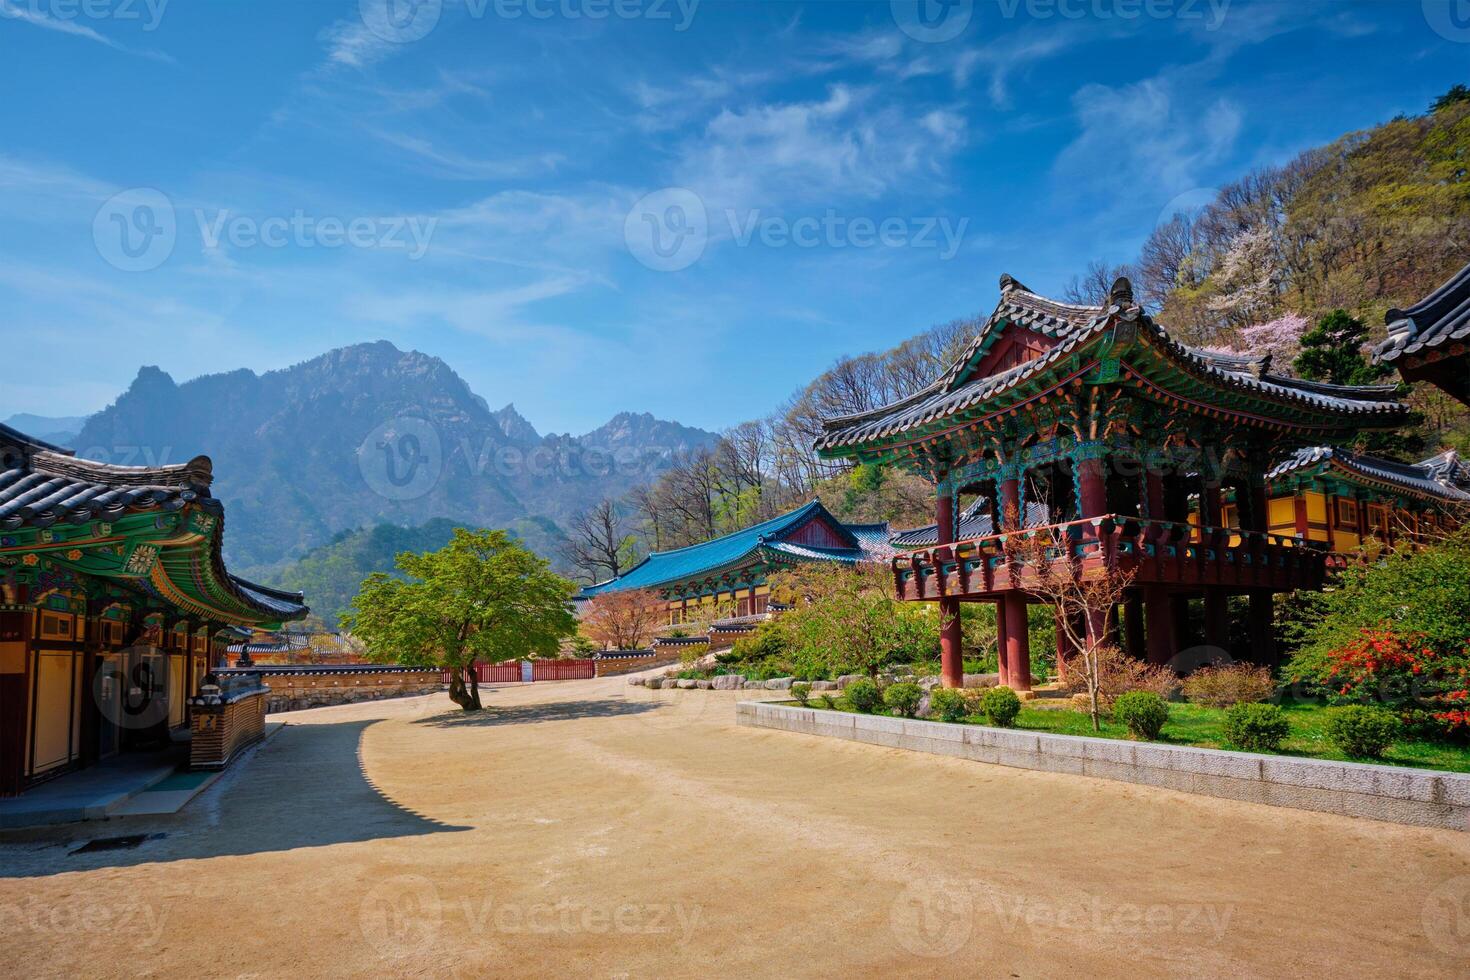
[868, 541]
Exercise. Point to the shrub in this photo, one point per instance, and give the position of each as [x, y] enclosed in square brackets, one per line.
[903, 699]
[1000, 705]
[1223, 687]
[1405, 672]
[1144, 712]
[1362, 732]
[1256, 727]
[949, 704]
[1119, 673]
[828, 701]
[863, 695]
[801, 692]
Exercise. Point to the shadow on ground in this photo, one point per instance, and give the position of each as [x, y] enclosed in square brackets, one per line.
[532, 713]
[306, 787]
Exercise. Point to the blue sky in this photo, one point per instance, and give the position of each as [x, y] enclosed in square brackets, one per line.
[212, 185]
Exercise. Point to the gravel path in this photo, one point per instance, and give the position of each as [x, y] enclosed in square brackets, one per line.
[592, 828]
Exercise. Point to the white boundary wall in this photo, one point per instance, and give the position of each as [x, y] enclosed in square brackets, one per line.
[1410, 796]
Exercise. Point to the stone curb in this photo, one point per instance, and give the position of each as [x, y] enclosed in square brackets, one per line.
[1419, 797]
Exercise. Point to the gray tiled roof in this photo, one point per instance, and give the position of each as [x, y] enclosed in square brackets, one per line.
[1073, 326]
[42, 485]
[975, 522]
[1437, 319]
[1443, 476]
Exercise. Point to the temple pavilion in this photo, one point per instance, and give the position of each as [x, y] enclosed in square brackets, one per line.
[733, 570]
[1147, 456]
[114, 605]
[1430, 341]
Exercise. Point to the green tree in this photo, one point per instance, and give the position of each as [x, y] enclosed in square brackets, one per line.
[1456, 94]
[482, 597]
[1333, 352]
[848, 619]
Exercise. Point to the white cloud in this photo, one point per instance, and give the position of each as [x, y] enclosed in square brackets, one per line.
[848, 145]
[1136, 138]
[350, 43]
[37, 18]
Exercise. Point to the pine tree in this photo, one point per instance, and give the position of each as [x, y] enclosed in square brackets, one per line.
[1333, 352]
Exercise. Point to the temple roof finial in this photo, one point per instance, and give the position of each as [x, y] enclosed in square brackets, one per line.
[1122, 292]
[1009, 282]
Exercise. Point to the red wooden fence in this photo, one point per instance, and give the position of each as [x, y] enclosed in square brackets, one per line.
[510, 672]
[563, 670]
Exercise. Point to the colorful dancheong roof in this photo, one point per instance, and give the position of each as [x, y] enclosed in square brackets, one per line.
[1442, 478]
[1120, 343]
[152, 529]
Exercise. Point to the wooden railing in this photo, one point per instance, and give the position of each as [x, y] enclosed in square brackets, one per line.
[1163, 552]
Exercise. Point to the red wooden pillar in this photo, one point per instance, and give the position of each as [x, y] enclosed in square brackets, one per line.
[1299, 512]
[1262, 604]
[1017, 642]
[1093, 488]
[1000, 645]
[1065, 648]
[1158, 612]
[951, 636]
[1153, 494]
[1217, 609]
[1011, 518]
[1093, 496]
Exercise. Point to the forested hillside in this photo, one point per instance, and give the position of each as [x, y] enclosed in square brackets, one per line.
[330, 574]
[1370, 222]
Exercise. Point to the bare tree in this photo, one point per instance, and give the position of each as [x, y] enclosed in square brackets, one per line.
[1081, 596]
[597, 545]
[1093, 287]
[622, 620]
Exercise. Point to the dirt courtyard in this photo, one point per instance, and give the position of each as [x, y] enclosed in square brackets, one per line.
[592, 828]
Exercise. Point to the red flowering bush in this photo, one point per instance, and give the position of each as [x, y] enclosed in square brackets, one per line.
[1428, 687]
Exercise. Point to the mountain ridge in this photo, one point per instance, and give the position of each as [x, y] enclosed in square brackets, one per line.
[369, 434]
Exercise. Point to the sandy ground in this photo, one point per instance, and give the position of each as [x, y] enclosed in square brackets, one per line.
[593, 828]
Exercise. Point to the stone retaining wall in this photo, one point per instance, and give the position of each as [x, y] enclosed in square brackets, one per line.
[297, 691]
[1409, 796]
[611, 666]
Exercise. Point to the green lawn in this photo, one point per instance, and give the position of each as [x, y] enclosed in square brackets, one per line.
[1191, 724]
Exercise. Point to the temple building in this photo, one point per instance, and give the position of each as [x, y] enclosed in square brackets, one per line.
[732, 571]
[114, 605]
[1430, 341]
[1133, 446]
